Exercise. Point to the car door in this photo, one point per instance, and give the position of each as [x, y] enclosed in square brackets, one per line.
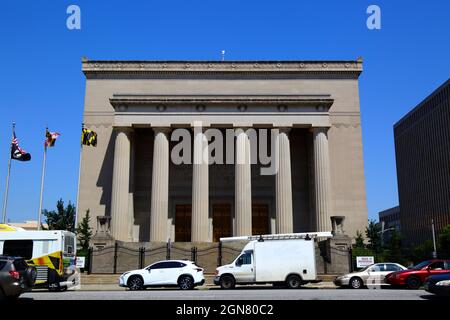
[154, 274]
[244, 269]
[438, 267]
[171, 272]
[388, 268]
[376, 274]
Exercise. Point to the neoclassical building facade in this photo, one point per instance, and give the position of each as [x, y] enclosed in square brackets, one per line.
[138, 109]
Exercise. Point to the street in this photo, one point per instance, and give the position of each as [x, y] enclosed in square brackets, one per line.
[236, 294]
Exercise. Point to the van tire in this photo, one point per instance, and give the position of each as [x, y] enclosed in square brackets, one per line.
[293, 281]
[227, 282]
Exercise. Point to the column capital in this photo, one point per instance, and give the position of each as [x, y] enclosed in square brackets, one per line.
[286, 130]
[316, 130]
[125, 129]
[164, 130]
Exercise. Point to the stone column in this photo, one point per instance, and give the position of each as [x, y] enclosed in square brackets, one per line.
[283, 184]
[243, 185]
[160, 186]
[322, 179]
[120, 218]
[200, 189]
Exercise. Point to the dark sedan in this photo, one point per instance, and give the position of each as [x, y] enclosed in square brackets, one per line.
[438, 284]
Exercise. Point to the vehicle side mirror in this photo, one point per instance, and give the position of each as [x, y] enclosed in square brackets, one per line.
[149, 270]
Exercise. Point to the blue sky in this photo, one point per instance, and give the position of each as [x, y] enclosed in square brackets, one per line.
[42, 84]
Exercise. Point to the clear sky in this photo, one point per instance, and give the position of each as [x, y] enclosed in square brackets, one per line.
[41, 82]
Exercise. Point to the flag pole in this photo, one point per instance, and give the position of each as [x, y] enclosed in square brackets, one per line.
[5, 200]
[79, 176]
[42, 183]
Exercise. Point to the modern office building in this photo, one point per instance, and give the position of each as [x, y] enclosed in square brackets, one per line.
[147, 179]
[422, 149]
[390, 221]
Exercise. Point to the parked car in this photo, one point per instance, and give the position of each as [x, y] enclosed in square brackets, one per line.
[371, 275]
[16, 277]
[182, 273]
[438, 284]
[414, 278]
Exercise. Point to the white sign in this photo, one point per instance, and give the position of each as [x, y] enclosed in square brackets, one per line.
[362, 262]
[80, 262]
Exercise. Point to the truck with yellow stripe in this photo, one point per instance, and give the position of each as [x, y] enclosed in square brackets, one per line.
[51, 252]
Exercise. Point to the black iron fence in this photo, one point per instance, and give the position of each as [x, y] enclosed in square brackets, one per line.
[119, 258]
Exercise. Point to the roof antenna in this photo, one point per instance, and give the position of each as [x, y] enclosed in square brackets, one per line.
[223, 55]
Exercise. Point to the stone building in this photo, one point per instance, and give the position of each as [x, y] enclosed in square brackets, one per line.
[137, 109]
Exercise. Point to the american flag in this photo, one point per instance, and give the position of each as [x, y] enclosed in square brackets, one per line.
[18, 153]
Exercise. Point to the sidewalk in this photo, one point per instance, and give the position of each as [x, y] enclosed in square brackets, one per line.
[109, 282]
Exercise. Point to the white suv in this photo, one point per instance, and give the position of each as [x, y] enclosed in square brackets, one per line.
[182, 273]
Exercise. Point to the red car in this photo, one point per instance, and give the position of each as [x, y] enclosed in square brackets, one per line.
[415, 276]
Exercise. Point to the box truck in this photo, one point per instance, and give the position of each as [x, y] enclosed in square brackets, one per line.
[284, 258]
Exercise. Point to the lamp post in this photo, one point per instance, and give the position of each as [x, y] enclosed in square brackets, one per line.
[434, 240]
[383, 231]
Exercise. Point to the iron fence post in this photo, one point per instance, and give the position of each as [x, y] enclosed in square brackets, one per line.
[219, 256]
[115, 257]
[194, 254]
[89, 266]
[168, 250]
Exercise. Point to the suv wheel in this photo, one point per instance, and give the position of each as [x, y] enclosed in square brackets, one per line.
[135, 283]
[186, 283]
[227, 282]
[31, 275]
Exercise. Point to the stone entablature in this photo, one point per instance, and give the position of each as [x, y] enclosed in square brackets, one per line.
[351, 67]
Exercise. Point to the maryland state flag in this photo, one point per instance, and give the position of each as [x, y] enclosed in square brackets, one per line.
[88, 137]
[16, 152]
[50, 138]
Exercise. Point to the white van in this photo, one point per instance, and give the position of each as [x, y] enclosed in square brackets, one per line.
[284, 258]
[51, 252]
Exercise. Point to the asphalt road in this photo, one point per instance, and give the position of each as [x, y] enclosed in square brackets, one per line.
[236, 294]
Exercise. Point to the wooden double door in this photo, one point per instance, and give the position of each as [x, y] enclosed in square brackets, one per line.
[222, 221]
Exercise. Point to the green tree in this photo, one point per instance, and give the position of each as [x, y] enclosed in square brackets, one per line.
[84, 233]
[393, 252]
[359, 240]
[423, 251]
[373, 231]
[444, 243]
[61, 219]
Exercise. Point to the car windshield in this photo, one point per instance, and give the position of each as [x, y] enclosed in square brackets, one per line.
[421, 265]
[366, 268]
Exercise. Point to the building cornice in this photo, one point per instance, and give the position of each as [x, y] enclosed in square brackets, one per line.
[119, 100]
[92, 67]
